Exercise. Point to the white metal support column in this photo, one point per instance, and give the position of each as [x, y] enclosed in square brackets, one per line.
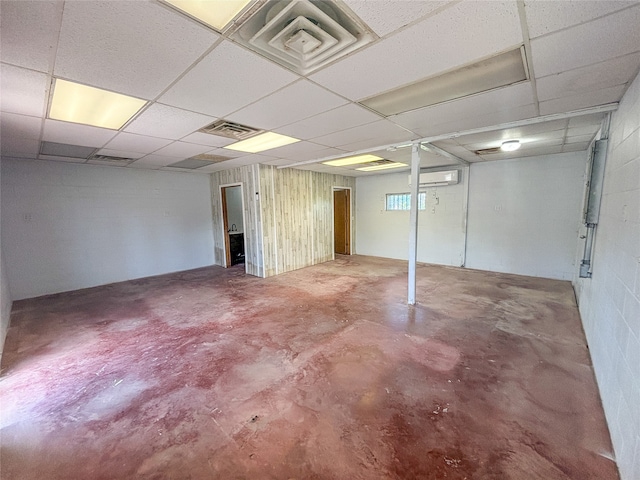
[413, 222]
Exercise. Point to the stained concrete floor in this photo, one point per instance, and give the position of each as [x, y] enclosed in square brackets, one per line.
[322, 373]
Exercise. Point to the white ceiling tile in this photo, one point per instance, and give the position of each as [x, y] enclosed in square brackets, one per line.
[586, 120]
[457, 36]
[379, 133]
[583, 130]
[487, 120]
[208, 139]
[610, 73]
[143, 166]
[554, 137]
[119, 153]
[224, 152]
[118, 46]
[19, 126]
[555, 127]
[167, 122]
[137, 143]
[583, 100]
[549, 16]
[302, 151]
[237, 162]
[182, 149]
[56, 158]
[278, 162]
[579, 138]
[502, 99]
[20, 135]
[23, 91]
[576, 147]
[608, 37]
[295, 102]
[227, 79]
[522, 153]
[346, 116]
[20, 147]
[76, 134]
[29, 33]
[386, 16]
[154, 160]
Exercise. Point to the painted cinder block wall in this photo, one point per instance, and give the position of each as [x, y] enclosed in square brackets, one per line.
[609, 302]
[67, 226]
[523, 217]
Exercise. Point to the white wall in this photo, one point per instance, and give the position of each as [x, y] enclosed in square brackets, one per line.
[67, 226]
[524, 215]
[610, 300]
[5, 300]
[234, 207]
[384, 233]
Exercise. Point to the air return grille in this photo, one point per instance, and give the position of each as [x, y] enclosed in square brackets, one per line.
[110, 160]
[224, 128]
[304, 35]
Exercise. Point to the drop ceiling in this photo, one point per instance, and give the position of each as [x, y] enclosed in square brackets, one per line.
[578, 55]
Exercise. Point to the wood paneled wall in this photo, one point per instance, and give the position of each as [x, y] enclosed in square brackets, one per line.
[288, 216]
[297, 213]
[248, 176]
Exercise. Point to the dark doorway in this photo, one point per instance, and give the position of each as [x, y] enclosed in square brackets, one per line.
[232, 219]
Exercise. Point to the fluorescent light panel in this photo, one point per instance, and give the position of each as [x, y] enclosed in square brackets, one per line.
[499, 71]
[381, 167]
[341, 162]
[77, 103]
[215, 13]
[262, 142]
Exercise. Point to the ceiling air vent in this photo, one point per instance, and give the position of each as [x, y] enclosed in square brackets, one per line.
[109, 160]
[64, 150]
[488, 151]
[304, 35]
[224, 128]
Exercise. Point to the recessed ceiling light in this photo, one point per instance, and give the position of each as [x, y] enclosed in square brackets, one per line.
[495, 72]
[341, 162]
[215, 13]
[381, 167]
[262, 142]
[77, 103]
[510, 145]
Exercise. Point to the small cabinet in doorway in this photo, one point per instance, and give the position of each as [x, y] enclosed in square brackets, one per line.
[236, 245]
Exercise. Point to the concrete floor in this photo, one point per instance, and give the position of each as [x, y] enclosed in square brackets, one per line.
[322, 373]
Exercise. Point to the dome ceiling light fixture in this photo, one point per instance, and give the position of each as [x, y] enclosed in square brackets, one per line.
[510, 145]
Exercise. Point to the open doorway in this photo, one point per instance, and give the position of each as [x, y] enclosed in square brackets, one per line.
[342, 221]
[233, 224]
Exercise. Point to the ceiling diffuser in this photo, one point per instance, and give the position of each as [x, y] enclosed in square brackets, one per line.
[304, 35]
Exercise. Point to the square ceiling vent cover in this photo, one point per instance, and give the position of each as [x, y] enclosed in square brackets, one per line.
[304, 35]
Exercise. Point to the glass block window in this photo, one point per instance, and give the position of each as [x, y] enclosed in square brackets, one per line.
[402, 201]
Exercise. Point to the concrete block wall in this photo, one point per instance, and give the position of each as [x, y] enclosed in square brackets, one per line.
[610, 301]
[524, 215]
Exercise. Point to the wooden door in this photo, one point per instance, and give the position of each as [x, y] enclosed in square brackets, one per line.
[342, 221]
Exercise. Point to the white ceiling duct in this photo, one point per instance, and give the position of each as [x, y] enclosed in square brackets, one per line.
[304, 35]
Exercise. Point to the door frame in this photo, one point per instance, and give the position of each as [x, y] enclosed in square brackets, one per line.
[225, 222]
[333, 217]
